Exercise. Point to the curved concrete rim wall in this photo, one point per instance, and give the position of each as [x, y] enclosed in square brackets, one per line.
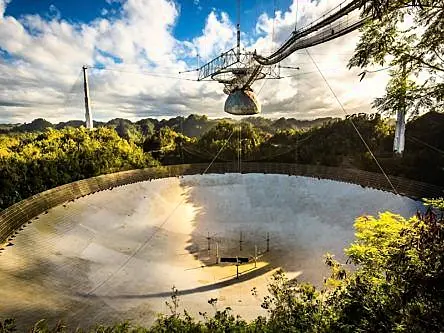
[17, 215]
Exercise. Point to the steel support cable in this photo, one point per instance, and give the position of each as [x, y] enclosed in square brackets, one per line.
[414, 139]
[297, 75]
[354, 126]
[263, 84]
[311, 27]
[282, 153]
[199, 153]
[318, 38]
[204, 154]
[138, 249]
[306, 73]
[354, 5]
[296, 20]
[238, 148]
[253, 77]
[151, 74]
[274, 23]
[68, 94]
[218, 153]
[328, 12]
[258, 69]
[295, 36]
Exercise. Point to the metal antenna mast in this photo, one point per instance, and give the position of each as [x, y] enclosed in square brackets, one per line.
[88, 116]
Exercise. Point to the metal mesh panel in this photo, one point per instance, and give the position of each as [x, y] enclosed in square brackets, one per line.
[15, 216]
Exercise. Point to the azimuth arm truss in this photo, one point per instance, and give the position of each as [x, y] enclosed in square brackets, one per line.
[333, 26]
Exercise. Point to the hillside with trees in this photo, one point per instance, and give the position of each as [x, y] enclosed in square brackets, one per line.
[34, 162]
[31, 162]
[192, 126]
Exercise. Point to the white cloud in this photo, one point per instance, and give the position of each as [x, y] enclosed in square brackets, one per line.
[45, 55]
[54, 11]
[3, 4]
[307, 95]
[219, 35]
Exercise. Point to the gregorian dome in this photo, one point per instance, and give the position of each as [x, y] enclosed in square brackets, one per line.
[242, 103]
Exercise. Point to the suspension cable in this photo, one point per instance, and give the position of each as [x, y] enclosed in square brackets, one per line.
[274, 22]
[414, 139]
[68, 95]
[215, 157]
[353, 124]
[296, 21]
[151, 74]
[71, 90]
[259, 91]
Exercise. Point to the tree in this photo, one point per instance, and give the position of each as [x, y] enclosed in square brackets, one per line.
[408, 36]
[34, 162]
[126, 130]
[38, 124]
[146, 127]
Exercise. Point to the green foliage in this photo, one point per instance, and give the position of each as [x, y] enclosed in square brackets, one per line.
[272, 126]
[377, 238]
[230, 139]
[72, 123]
[337, 143]
[293, 307]
[36, 125]
[31, 163]
[126, 130]
[124, 327]
[7, 326]
[396, 285]
[42, 326]
[147, 127]
[402, 289]
[435, 203]
[413, 50]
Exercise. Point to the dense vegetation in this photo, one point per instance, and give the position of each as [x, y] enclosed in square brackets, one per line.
[192, 126]
[38, 156]
[413, 52]
[398, 281]
[32, 161]
[397, 286]
[335, 143]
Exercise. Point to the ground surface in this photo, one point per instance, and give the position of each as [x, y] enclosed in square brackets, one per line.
[116, 254]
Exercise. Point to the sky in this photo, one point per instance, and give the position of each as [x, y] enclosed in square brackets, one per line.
[136, 48]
